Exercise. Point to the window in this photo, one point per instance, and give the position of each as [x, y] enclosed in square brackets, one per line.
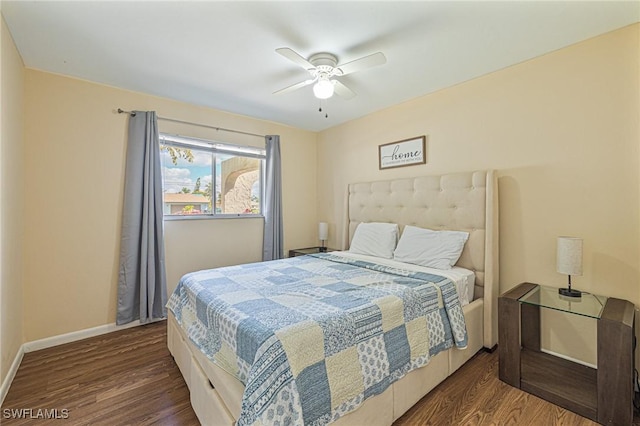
[205, 178]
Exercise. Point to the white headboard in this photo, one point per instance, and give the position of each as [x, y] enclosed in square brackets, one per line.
[461, 201]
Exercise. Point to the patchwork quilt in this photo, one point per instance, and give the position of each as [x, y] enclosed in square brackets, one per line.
[312, 337]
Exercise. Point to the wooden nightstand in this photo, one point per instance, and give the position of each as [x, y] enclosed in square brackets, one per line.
[308, 250]
[604, 394]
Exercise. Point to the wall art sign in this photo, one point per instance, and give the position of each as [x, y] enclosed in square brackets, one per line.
[402, 153]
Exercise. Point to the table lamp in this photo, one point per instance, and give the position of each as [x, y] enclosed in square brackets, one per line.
[323, 235]
[569, 261]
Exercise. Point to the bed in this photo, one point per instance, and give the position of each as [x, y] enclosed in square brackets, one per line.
[455, 202]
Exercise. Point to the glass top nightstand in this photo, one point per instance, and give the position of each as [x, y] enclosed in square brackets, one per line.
[589, 305]
[603, 394]
[308, 250]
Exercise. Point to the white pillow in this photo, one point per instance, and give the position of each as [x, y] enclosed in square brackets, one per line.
[434, 249]
[375, 239]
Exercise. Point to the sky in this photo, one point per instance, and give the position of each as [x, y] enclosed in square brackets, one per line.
[185, 174]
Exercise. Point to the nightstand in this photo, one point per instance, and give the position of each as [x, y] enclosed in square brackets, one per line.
[308, 250]
[604, 394]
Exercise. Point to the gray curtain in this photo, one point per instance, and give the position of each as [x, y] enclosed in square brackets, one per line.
[142, 283]
[273, 234]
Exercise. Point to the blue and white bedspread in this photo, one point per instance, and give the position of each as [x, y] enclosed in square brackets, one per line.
[312, 337]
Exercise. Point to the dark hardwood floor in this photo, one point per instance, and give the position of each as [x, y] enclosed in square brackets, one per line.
[129, 378]
[122, 378]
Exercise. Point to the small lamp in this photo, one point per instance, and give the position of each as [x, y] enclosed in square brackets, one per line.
[323, 235]
[569, 261]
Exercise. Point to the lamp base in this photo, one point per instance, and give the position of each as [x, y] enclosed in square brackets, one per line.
[322, 249]
[569, 292]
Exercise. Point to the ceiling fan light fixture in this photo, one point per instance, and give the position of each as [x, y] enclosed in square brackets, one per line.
[323, 89]
[323, 67]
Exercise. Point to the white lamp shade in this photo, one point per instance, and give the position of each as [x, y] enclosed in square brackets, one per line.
[569, 259]
[323, 231]
[323, 89]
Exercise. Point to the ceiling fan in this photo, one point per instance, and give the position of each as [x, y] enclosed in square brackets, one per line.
[323, 68]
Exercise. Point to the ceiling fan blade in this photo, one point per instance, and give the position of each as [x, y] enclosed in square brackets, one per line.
[294, 87]
[295, 57]
[363, 63]
[342, 90]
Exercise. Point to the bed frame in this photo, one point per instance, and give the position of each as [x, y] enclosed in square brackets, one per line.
[461, 201]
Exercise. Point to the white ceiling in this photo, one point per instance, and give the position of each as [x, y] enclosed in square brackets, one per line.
[222, 54]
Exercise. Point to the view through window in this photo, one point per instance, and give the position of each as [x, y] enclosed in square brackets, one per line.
[205, 178]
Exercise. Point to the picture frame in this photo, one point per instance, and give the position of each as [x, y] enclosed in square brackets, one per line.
[407, 152]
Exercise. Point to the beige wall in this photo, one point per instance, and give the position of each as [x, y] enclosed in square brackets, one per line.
[11, 200]
[561, 130]
[74, 174]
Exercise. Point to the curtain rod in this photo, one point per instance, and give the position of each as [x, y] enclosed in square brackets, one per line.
[121, 111]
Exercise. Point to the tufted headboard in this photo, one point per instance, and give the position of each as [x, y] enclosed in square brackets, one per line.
[461, 201]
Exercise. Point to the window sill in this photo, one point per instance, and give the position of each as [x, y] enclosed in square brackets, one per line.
[212, 217]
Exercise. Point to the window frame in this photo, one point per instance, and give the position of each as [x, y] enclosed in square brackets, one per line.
[214, 147]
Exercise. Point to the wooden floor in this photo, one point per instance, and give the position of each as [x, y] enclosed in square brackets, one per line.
[122, 378]
[129, 378]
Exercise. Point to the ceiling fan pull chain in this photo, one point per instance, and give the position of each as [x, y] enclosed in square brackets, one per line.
[326, 115]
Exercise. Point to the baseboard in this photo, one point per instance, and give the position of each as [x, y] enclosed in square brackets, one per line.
[74, 336]
[6, 383]
[49, 342]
